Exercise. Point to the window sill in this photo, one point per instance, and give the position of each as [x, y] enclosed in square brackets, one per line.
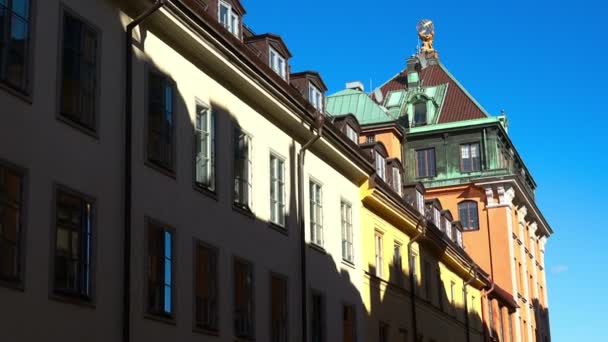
[66, 120]
[205, 191]
[281, 229]
[208, 332]
[167, 172]
[349, 264]
[21, 95]
[161, 319]
[243, 210]
[317, 248]
[74, 300]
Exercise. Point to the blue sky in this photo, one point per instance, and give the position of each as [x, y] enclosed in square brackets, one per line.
[544, 62]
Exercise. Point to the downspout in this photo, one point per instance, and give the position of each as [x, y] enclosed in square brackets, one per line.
[483, 307]
[466, 301]
[422, 224]
[319, 122]
[128, 193]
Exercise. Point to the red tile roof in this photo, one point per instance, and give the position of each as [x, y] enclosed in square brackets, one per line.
[457, 106]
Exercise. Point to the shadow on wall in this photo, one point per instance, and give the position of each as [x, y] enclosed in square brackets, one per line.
[541, 315]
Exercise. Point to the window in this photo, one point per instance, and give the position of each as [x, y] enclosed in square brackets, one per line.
[383, 332]
[243, 299]
[79, 73]
[428, 280]
[502, 325]
[277, 190]
[397, 263]
[352, 134]
[73, 245]
[11, 211]
[161, 127]
[491, 317]
[468, 213]
[420, 114]
[242, 170]
[380, 165]
[425, 163]
[228, 18]
[160, 271]
[469, 158]
[278, 307]
[316, 213]
[318, 317]
[347, 231]
[277, 63]
[204, 137]
[453, 294]
[458, 237]
[414, 267]
[420, 201]
[397, 181]
[206, 296]
[348, 323]
[379, 254]
[510, 327]
[315, 97]
[436, 217]
[14, 43]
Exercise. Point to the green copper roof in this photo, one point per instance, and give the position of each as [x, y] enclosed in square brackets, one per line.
[358, 103]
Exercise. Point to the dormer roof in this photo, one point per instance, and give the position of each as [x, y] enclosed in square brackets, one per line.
[273, 40]
[314, 77]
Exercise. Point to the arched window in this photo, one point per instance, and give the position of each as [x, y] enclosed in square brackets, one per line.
[468, 215]
[420, 113]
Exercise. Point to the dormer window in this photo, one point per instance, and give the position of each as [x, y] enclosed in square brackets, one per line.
[419, 201]
[228, 18]
[277, 63]
[448, 229]
[459, 237]
[315, 97]
[352, 134]
[397, 180]
[420, 114]
[436, 217]
[381, 166]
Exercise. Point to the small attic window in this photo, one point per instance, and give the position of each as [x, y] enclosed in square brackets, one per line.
[228, 18]
[394, 99]
[352, 134]
[380, 165]
[420, 113]
[315, 97]
[277, 63]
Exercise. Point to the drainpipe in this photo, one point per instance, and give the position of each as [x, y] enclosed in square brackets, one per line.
[319, 122]
[466, 301]
[421, 223]
[126, 328]
[483, 307]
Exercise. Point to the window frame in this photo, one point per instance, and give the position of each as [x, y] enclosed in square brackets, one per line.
[196, 327]
[415, 123]
[379, 253]
[380, 165]
[277, 62]
[18, 283]
[316, 227]
[236, 31]
[24, 93]
[347, 232]
[466, 223]
[169, 318]
[469, 147]
[352, 134]
[322, 313]
[73, 297]
[237, 201]
[171, 170]
[211, 146]
[285, 279]
[398, 261]
[396, 180]
[427, 151]
[353, 308]
[313, 90]
[94, 130]
[249, 336]
[281, 199]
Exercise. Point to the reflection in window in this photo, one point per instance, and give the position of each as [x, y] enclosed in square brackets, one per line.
[14, 43]
[420, 114]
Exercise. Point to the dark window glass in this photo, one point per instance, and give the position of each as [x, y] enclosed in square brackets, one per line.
[383, 332]
[243, 300]
[468, 215]
[348, 323]
[160, 122]
[204, 136]
[14, 43]
[242, 170]
[11, 204]
[160, 271]
[318, 318]
[206, 296]
[420, 114]
[278, 307]
[79, 72]
[425, 163]
[470, 158]
[73, 245]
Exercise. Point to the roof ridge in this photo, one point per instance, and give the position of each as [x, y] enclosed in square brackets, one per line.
[464, 90]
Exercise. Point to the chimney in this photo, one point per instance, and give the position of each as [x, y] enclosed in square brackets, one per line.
[413, 69]
[355, 85]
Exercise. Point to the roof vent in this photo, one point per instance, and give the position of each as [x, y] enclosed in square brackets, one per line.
[355, 85]
[378, 95]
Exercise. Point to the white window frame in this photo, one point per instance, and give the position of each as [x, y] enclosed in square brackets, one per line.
[316, 212]
[420, 202]
[238, 200]
[379, 253]
[448, 229]
[380, 165]
[397, 180]
[436, 217]
[315, 97]
[277, 62]
[352, 134]
[232, 24]
[205, 136]
[346, 214]
[277, 183]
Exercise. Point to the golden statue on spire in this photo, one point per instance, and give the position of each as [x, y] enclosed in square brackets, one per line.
[426, 33]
